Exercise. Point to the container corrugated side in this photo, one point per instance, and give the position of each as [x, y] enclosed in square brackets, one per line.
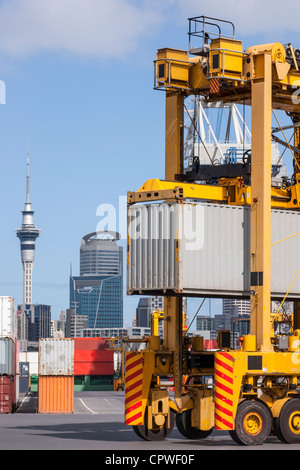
[204, 249]
[152, 231]
[56, 394]
[92, 344]
[7, 356]
[8, 318]
[93, 356]
[7, 393]
[94, 368]
[56, 357]
[93, 362]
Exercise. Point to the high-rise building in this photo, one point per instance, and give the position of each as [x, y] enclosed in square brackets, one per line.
[42, 321]
[204, 323]
[236, 307]
[34, 322]
[98, 292]
[146, 306]
[57, 329]
[27, 235]
[143, 312]
[157, 302]
[100, 254]
[75, 323]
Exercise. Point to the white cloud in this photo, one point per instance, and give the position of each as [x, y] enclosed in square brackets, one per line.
[114, 28]
[96, 28]
[249, 16]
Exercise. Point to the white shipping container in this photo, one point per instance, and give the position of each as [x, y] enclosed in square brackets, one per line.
[32, 358]
[8, 318]
[7, 356]
[56, 357]
[202, 249]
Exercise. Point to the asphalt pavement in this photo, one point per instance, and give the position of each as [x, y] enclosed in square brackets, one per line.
[98, 424]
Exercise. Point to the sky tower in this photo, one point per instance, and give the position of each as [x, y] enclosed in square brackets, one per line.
[27, 235]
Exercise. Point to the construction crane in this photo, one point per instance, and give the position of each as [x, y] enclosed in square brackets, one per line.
[255, 389]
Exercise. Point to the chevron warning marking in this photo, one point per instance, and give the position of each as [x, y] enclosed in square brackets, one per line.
[224, 419]
[214, 85]
[133, 388]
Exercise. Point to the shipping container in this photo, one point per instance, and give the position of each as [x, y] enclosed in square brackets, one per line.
[93, 368]
[56, 394]
[202, 249]
[24, 369]
[7, 394]
[17, 375]
[23, 385]
[16, 391]
[7, 356]
[91, 344]
[56, 357]
[92, 362]
[32, 358]
[8, 318]
[93, 356]
[33, 383]
[84, 383]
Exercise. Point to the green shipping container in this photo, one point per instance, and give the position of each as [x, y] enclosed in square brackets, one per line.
[34, 380]
[93, 383]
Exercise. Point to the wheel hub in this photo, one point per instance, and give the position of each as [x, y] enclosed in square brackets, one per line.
[294, 422]
[253, 423]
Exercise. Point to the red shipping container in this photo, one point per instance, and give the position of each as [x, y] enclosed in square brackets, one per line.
[91, 343]
[93, 368]
[7, 385]
[93, 356]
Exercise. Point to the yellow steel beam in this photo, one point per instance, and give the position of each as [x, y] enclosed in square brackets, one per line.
[296, 118]
[174, 135]
[231, 191]
[260, 298]
[234, 67]
[156, 189]
[173, 166]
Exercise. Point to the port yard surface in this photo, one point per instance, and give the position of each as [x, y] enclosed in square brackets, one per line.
[98, 424]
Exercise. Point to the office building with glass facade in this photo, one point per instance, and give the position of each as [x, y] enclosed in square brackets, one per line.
[98, 292]
[100, 255]
[98, 297]
[34, 322]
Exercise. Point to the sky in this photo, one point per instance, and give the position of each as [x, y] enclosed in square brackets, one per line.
[78, 76]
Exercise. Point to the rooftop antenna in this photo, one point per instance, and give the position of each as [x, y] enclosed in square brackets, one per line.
[28, 176]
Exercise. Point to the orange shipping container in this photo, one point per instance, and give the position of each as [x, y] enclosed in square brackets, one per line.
[56, 394]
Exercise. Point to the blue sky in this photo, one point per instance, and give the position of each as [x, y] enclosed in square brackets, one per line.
[79, 87]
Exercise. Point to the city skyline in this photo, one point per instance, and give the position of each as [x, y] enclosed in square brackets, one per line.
[95, 124]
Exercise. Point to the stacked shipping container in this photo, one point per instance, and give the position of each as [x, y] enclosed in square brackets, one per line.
[9, 390]
[32, 359]
[93, 364]
[56, 376]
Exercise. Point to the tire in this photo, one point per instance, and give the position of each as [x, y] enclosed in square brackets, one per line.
[183, 423]
[253, 423]
[287, 425]
[157, 434]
